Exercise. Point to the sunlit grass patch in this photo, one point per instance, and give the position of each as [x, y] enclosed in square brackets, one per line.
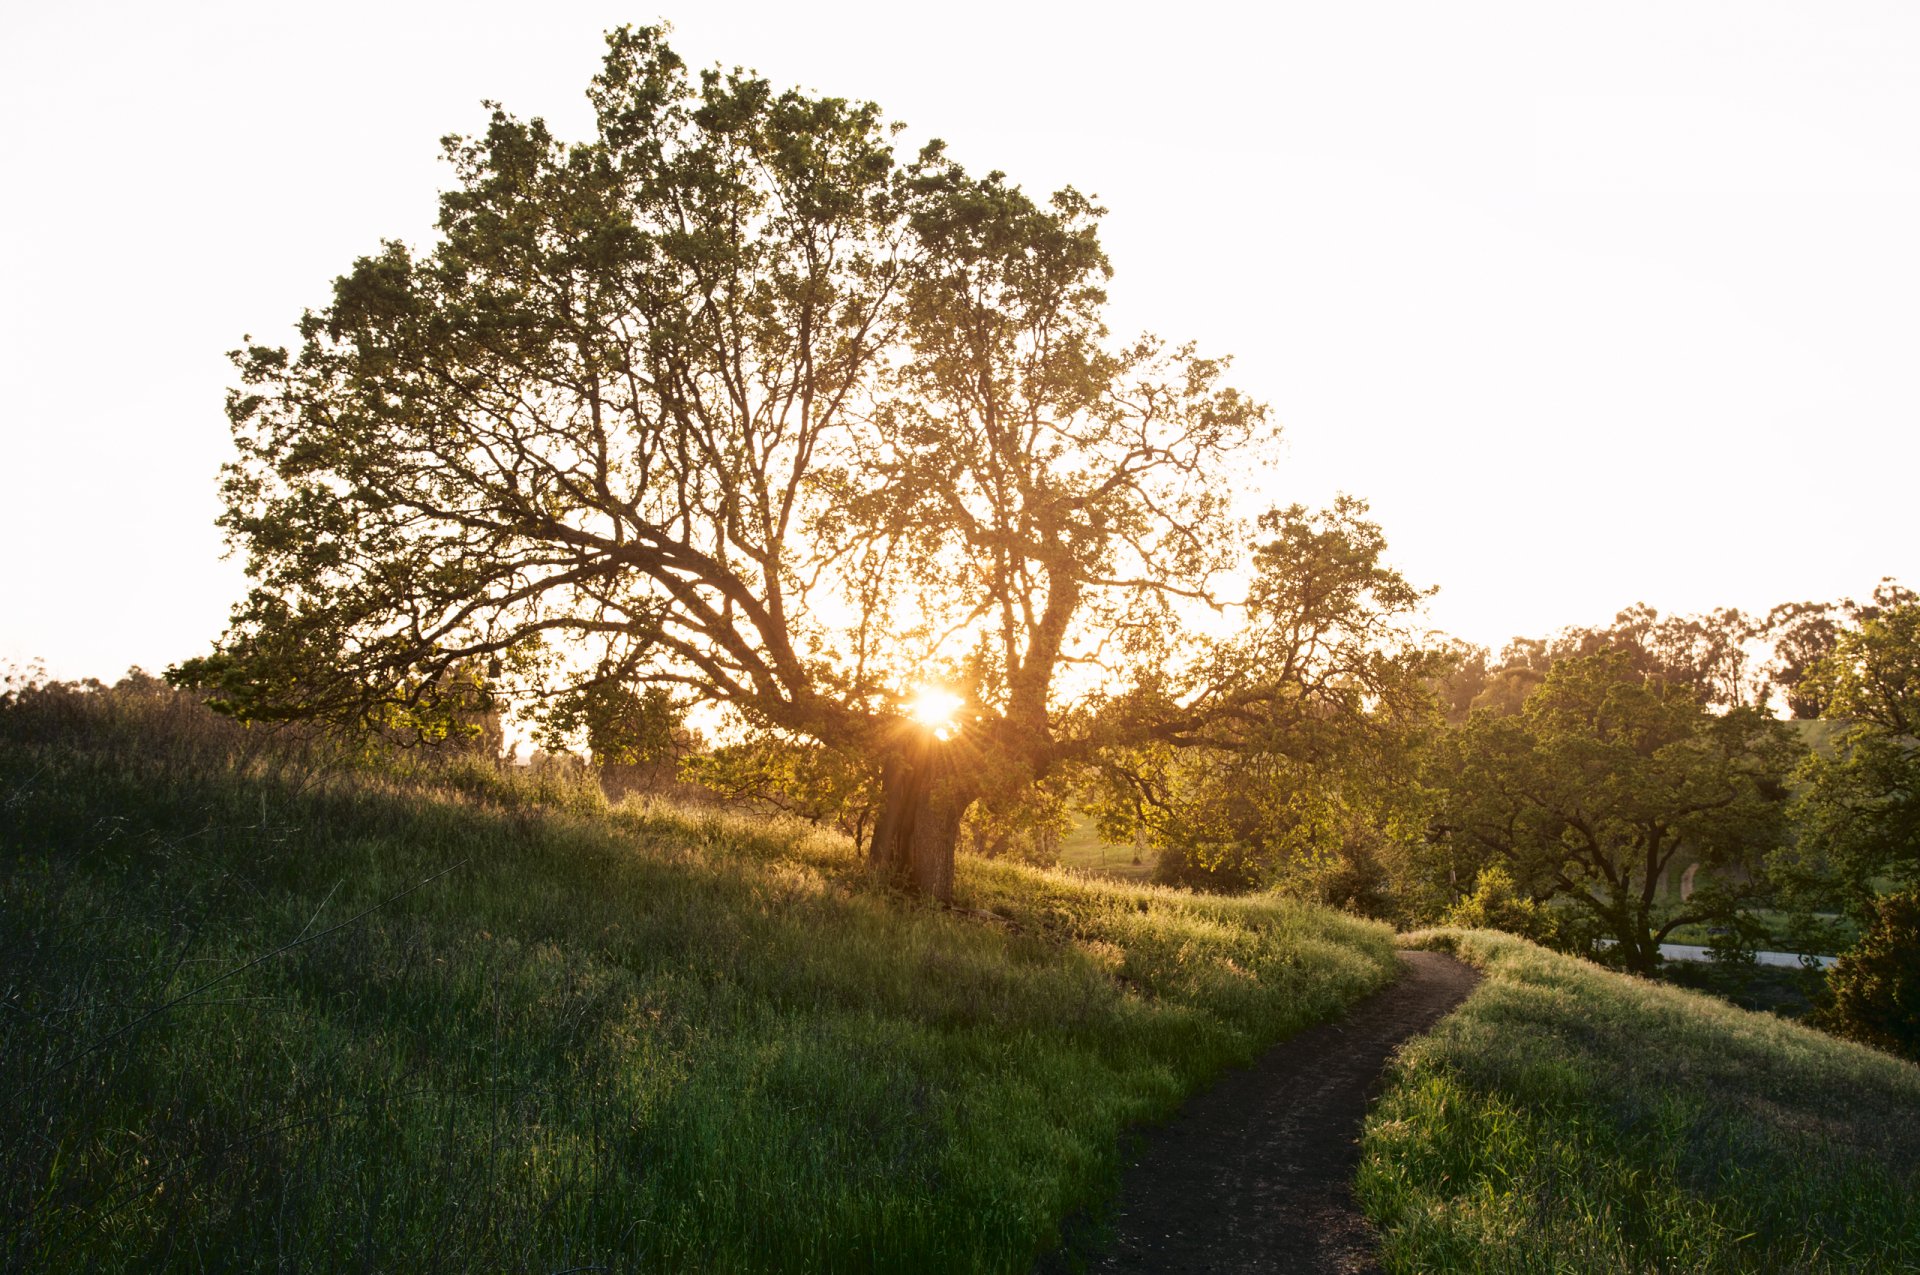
[1084, 849]
[1567, 1118]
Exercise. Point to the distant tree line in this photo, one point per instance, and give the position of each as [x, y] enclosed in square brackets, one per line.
[1589, 765]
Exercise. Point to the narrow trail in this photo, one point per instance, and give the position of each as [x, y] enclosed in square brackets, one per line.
[1255, 1174]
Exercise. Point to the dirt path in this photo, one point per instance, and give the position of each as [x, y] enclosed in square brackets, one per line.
[1255, 1174]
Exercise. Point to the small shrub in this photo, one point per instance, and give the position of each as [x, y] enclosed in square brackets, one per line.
[1497, 904]
[1876, 984]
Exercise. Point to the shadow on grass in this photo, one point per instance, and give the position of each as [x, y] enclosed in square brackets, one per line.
[1570, 1118]
[565, 1035]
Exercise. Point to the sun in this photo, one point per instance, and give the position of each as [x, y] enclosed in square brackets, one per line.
[935, 706]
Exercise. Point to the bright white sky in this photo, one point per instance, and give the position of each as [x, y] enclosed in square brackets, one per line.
[1595, 303]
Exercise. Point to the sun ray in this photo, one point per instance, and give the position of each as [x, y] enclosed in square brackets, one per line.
[936, 707]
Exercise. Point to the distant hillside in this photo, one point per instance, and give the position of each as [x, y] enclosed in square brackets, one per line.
[1818, 733]
[1084, 849]
[270, 1004]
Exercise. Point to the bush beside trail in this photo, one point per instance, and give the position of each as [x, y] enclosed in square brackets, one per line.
[1876, 984]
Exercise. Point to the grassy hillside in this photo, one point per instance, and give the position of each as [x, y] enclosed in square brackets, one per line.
[272, 1009]
[1571, 1119]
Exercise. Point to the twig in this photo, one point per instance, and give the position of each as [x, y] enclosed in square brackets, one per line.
[21, 790]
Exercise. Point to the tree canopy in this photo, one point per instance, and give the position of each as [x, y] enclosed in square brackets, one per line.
[1710, 655]
[731, 401]
[1282, 765]
[1603, 782]
[1859, 811]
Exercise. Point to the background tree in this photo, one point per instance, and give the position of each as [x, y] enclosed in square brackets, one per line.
[1291, 761]
[636, 738]
[1859, 812]
[1712, 654]
[1496, 903]
[1522, 667]
[1801, 634]
[1876, 985]
[727, 401]
[1024, 823]
[1464, 672]
[795, 776]
[1598, 786]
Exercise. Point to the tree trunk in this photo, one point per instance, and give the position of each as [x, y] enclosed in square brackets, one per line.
[1634, 946]
[1643, 950]
[1644, 956]
[923, 799]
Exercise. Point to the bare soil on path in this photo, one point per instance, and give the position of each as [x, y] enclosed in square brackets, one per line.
[1256, 1173]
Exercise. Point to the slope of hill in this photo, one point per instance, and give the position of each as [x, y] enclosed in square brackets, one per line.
[1568, 1118]
[271, 1005]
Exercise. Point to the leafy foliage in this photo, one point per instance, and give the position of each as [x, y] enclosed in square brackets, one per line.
[1591, 793]
[1024, 824]
[729, 401]
[621, 726]
[1292, 762]
[1859, 812]
[1876, 984]
[823, 785]
[1710, 654]
[1497, 904]
[1804, 634]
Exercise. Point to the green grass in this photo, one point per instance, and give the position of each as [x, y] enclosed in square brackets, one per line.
[1571, 1119]
[1083, 849]
[1778, 926]
[1783, 990]
[545, 1034]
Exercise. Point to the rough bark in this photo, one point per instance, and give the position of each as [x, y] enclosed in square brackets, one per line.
[924, 796]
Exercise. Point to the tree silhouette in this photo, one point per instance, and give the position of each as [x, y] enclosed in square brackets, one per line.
[731, 402]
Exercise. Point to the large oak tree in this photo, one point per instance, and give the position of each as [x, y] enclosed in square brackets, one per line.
[729, 400]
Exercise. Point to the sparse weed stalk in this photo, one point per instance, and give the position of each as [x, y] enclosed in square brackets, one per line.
[562, 1035]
